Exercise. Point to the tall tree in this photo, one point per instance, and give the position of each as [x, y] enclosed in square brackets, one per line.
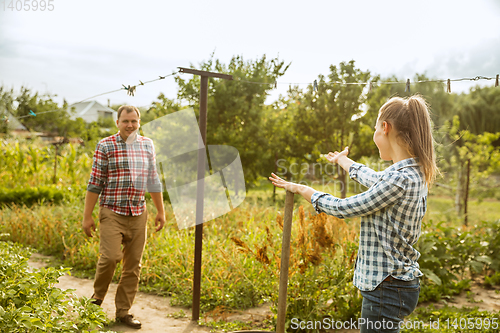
[281, 139]
[6, 107]
[236, 108]
[56, 122]
[329, 117]
[469, 159]
[479, 110]
[159, 108]
[469, 142]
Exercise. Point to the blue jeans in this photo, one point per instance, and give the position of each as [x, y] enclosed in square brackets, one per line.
[386, 306]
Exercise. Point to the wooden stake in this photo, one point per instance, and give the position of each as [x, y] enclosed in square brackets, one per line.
[466, 219]
[285, 260]
[54, 179]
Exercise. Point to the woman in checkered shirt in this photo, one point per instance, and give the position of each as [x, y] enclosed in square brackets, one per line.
[391, 210]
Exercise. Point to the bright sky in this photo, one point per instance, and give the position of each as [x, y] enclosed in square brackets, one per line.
[83, 48]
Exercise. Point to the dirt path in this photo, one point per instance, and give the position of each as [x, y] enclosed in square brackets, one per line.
[153, 311]
[157, 315]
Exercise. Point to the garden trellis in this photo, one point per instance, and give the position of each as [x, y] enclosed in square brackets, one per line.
[200, 186]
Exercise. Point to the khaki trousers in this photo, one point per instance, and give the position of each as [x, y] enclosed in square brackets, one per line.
[115, 230]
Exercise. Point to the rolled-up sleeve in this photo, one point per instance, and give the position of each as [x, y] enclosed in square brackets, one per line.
[99, 174]
[154, 184]
[364, 175]
[385, 192]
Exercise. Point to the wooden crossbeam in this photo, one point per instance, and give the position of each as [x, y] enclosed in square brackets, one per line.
[205, 73]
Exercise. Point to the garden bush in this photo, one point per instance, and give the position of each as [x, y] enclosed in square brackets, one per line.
[31, 195]
[29, 302]
[451, 256]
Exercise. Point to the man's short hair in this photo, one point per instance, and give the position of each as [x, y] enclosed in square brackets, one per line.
[128, 108]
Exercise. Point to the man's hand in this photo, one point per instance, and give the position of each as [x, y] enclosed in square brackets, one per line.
[88, 222]
[88, 225]
[159, 221]
[160, 216]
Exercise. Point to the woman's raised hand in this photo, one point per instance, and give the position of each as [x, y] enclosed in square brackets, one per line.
[334, 157]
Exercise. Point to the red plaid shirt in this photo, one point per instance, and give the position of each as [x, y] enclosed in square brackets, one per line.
[120, 184]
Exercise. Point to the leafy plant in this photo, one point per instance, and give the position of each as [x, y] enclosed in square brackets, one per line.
[450, 256]
[29, 302]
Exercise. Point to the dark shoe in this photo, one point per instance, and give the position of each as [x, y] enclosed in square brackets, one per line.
[95, 301]
[129, 321]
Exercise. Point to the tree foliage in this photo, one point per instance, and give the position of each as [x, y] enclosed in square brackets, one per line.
[329, 119]
[478, 111]
[236, 109]
[460, 150]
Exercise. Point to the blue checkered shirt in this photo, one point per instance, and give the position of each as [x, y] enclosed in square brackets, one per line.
[391, 212]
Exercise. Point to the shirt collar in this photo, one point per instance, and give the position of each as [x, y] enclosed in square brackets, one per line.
[120, 139]
[409, 162]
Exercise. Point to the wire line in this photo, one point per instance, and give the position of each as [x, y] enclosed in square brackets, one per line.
[131, 89]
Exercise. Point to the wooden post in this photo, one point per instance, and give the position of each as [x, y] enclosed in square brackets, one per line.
[466, 220]
[54, 179]
[56, 144]
[285, 260]
[198, 242]
[199, 200]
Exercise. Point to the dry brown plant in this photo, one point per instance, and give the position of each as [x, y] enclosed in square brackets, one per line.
[279, 220]
[242, 246]
[261, 255]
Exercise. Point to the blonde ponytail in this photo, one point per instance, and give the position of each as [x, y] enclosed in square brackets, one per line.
[411, 119]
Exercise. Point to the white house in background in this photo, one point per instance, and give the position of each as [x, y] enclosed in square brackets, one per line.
[91, 111]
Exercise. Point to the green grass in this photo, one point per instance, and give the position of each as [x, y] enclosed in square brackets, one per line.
[441, 208]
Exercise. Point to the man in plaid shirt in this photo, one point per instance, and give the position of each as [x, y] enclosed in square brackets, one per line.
[123, 168]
